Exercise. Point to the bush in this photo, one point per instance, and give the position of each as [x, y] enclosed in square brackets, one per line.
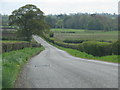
[51, 34]
[96, 48]
[116, 48]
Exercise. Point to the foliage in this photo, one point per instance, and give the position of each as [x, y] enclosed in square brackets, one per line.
[30, 20]
[105, 22]
[13, 61]
[77, 53]
[51, 21]
[98, 21]
[16, 45]
[51, 34]
[67, 45]
[11, 35]
[116, 48]
[5, 20]
[95, 48]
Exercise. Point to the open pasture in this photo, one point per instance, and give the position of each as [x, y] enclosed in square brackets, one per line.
[78, 34]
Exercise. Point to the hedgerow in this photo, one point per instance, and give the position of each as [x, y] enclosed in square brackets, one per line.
[16, 45]
[95, 48]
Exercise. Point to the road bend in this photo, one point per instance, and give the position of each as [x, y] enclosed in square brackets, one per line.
[55, 68]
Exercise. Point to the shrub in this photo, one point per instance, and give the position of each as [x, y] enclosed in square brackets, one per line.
[51, 34]
[97, 48]
[116, 47]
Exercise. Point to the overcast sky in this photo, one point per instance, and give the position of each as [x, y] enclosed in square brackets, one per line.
[62, 6]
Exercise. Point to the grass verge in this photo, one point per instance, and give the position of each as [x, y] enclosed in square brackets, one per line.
[13, 61]
[73, 52]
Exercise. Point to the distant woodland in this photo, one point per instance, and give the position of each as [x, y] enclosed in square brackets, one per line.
[103, 21]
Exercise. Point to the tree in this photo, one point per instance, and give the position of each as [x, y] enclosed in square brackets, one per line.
[59, 23]
[4, 20]
[51, 20]
[30, 20]
[97, 21]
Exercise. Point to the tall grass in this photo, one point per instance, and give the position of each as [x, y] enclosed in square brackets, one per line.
[13, 61]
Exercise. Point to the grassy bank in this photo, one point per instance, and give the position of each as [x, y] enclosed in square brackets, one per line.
[73, 52]
[13, 61]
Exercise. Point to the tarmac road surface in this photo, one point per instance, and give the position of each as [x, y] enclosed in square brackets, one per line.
[54, 68]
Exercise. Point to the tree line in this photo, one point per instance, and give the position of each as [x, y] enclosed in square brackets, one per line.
[103, 21]
[4, 19]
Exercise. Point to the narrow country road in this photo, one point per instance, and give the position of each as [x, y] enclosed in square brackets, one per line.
[54, 68]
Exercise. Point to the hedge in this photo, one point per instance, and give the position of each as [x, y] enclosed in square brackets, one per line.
[74, 41]
[11, 35]
[67, 45]
[10, 46]
[81, 41]
[95, 48]
[116, 48]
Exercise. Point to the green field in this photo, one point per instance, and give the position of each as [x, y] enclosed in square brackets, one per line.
[68, 30]
[73, 34]
[8, 41]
